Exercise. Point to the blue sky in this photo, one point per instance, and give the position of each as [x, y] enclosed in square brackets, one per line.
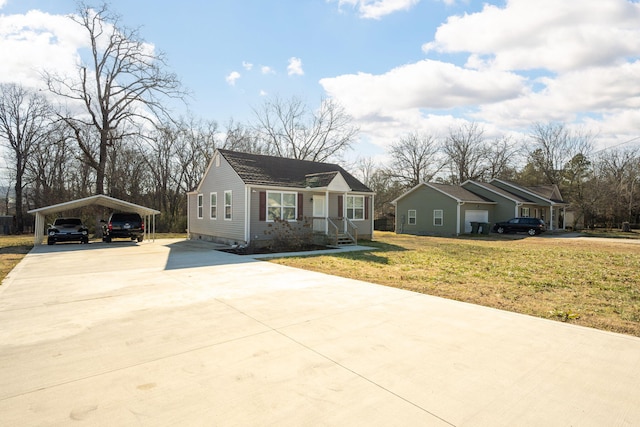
[395, 65]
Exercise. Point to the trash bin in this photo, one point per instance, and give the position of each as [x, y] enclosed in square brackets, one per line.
[485, 227]
[474, 227]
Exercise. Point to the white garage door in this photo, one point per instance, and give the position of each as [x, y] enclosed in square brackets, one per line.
[476, 216]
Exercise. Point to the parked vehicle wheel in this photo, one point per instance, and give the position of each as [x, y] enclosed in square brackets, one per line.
[107, 239]
[85, 240]
[532, 232]
[51, 242]
[500, 230]
[140, 239]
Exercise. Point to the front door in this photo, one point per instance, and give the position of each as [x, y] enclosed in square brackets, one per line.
[319, 211]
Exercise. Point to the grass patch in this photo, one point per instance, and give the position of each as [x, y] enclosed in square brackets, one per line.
[12, 250]
[588, 282]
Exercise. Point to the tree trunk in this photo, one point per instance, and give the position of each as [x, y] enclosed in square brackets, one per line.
[19, 211]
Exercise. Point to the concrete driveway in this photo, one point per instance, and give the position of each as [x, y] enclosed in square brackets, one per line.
[172, 333]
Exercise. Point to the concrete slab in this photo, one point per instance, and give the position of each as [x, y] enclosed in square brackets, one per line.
[182, 334]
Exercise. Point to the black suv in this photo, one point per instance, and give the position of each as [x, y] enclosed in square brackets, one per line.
[125, 225]
[532, 226]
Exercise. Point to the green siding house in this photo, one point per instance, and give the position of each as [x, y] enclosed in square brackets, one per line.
[449, 210]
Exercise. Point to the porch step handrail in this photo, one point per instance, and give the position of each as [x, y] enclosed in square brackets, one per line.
[351, 230]
[333, 230]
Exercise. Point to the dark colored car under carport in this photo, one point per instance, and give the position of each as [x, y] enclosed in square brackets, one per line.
[67, 230]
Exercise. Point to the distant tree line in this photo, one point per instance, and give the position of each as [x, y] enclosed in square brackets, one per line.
[602, 187]
[107, 130]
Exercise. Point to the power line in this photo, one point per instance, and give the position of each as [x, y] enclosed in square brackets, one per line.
[617, 145]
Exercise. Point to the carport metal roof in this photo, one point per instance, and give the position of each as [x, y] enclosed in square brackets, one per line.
[99, 199]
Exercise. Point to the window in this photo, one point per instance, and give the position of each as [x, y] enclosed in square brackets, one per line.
[355, 207]
[438, 217]
[199, 205]
[412, 217]
[227, 204]
[526, 212]
[214, 206]
[281, 206]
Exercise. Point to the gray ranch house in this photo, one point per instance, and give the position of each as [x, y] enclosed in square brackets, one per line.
[242, 196]
[448, 210]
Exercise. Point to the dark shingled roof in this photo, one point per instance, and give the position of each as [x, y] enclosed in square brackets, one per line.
[259, 169]
[460, 193]
[505, 193]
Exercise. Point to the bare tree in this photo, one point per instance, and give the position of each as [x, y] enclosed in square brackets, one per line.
[501, 158]
[467, 153]
[365, 167]
[55, 172]
[289, 129]
[242, 138]
[554, 147]
[121, 84]
[415, 159]
[616, 173]
[25, 119]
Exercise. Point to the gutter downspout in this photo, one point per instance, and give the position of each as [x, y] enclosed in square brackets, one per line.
[343, 213]
[372, 213]
[247, 214]
[326, 212]
[188, 216]
[458, 218]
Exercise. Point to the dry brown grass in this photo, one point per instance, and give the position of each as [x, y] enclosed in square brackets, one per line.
[587, 281]
[12, 250]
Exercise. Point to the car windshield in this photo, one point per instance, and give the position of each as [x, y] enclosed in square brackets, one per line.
[68, 221]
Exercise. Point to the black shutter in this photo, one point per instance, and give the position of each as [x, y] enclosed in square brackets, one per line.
[366, 207]
[263, 206]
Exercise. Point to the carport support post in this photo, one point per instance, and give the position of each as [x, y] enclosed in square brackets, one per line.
[38, 233]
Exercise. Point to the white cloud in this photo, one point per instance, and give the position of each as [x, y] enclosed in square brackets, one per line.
[247, 65]
[527, 61]
[232, 78]
[2, 3]
[263, 93]
[595, 90]
[295, 67]
[34, 41]
[423, 85]
[550, 34]
[376, 9]
[265, 69]
[420, 96]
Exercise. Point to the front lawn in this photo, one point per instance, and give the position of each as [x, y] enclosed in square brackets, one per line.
[12, 250]
[589, 282]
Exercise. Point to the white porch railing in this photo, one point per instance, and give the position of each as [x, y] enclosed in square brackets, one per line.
[341, 231]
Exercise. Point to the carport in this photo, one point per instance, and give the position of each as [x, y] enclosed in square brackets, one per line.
[148, 214]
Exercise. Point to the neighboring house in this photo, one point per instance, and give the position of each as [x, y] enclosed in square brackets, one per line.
[242, 195]
[438, 209]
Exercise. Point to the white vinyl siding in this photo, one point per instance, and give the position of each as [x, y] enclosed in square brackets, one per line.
[200, 206]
